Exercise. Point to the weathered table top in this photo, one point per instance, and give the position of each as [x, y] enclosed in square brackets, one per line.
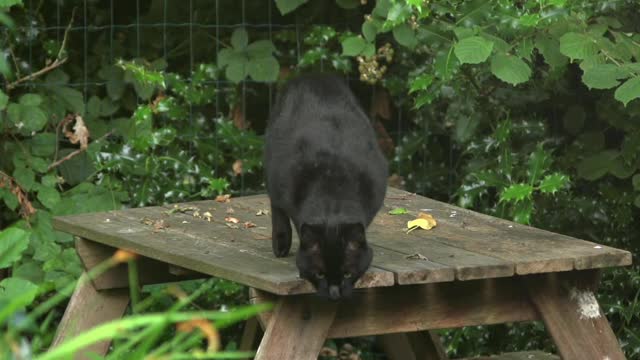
[464, 245]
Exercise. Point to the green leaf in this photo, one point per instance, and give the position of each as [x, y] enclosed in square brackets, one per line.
[405, 36]
[525, 49]
[13, 242]
[33, 117]
[596, 166]
[49, 197]
[529, 20]
[13, 288]
[473, 50]
[550, 50]
[445, 64]
[226, 57]
[636, 182]
[398, 211]
[552, 183]
[577, 46]
[522, 211]
[4, 100]
[628, 91]
[287, 6]
[9, 3]
[510, 69]
[239, 39]
[602, 76]
[516, 192]
[421, 82]
[539, 162]
[43, 144]
[30, 100]
[370, 29]
[353, 46]
[261, 48]
[264, 69]
[636, 202]
[237, 71]
[30, 270]
[620, 169]
[26, 178]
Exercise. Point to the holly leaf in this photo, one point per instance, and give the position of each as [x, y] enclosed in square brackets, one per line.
[420, 82]
[552, 183]
[516, 192]
[628, 91]
[473, 50]
[510, 69]
[13, 242]
[539, 161]
[522, 212]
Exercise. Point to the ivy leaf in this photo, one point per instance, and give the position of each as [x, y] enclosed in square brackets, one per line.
[239, 39]
[602, 76]
[405, 36]
[628, 91]
[398, 211]
[49, 197]
[13, 242]
[287, 6]
[264, 69]
[552, 183]
[596, 166]
[516, 192]
[510, 69]
[577, 46]
[353, 45]
[473, 50]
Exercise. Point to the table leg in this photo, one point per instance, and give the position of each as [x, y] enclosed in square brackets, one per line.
[297, 329]
[88, 308]
[419, 345]
[251, 335]
[573, 317]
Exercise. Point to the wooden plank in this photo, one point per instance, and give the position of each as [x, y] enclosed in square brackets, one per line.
[88, 308]
[411, 308]
[532, 250]
[406, 271]
[150, 271]
[574, 318]
[525, 355]
[251, 335]
[297, 329]
[421, 345]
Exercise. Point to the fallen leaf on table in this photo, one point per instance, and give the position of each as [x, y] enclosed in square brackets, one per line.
[424, 221]
[249, 224]
[207, 216]
[181, 209]
[416, 256]
[223, 198]
[233, 226]
[231, 219]
[398, 211]
[262, 212]
[230, 211]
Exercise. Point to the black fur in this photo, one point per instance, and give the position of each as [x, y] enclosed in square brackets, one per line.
[326, 173]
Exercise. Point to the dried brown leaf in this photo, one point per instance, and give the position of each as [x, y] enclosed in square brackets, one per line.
[223, 198]
[237, 167]
[80, 133]
[262, 212]
[231, 219]
[249, 224]
[230, 210]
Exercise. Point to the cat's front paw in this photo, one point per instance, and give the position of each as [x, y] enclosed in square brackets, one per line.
[281, 244]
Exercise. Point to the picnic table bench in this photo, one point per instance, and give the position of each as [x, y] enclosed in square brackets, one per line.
[471, 269]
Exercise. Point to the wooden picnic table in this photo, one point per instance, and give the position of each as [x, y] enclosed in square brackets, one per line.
[471, 269]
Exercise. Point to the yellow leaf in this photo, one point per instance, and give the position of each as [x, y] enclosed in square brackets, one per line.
[424, 221]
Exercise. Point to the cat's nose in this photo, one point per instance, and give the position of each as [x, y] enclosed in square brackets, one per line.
[334, 292]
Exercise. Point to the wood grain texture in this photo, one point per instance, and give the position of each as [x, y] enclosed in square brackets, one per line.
[297, 329]
[88, 308]
[150, 271]
[464, 246]
[410, 308]
[525, 355]
[574, 318]
[421, 345]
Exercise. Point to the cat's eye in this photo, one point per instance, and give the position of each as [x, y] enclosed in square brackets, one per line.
[319, 275]
[347, 275]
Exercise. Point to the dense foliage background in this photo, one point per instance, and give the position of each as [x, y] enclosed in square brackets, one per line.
[525, 110]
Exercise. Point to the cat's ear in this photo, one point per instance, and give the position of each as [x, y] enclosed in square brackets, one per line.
[310, 237]
[354, 236]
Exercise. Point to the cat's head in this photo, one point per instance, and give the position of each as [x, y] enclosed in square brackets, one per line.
[333, 258]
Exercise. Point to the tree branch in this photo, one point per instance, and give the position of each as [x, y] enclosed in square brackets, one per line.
[75, 153]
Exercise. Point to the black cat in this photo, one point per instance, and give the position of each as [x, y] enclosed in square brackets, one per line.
[326, 173]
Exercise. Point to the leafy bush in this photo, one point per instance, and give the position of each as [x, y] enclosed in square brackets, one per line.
[525, 110]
